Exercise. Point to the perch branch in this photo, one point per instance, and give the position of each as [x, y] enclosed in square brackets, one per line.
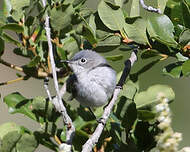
[87, 147]
[57, 101]
[150, 8]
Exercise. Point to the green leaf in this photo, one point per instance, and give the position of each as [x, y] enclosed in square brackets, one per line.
[2, 46]
[186, 68]
[44, 109]
[8, 127]
[19, 104]
[89, 34]
[92, 23]
[136, 30]
[111, 15]
[145, 115]
[17, 4]
[115, 57]
[34, 62]
[184, 37]
[70, 45]
[13, 27]
[186, 13]
[161, 28]
[61, 16]
[111, 40]
[23, 52]
[10, 39]
[153, 95]
[119, 2]
[180, 57]
[149, 54]
[7, 7]
[61, 52]
[174, 70]
[79, 123]
[27, 143]
[9, 141]
[78, 3]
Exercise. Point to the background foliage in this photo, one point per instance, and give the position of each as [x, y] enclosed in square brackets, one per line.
[115, 26]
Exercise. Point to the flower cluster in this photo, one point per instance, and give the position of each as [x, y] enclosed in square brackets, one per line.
[167, 140]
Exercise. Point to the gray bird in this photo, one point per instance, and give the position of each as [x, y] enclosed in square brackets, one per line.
[93, 80]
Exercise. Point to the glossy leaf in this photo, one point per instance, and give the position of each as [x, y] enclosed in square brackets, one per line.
[111, 40]
[153, 95]
[9, 141]
[180, 57]
[61, 16]
[186, 68]
[149, 54]
[13, 27]
[8, 127]
[70, 46]
[92, 23]
[61, 52]
[184, 37]
[174, 70]
[111, 15]
[136, 31]
[114, 57]
[89, 34]
[27, 143]
[19, 104]
[161, 28]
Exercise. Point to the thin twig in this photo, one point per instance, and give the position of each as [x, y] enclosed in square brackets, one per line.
[150, 8]
[87, 147]
[15, 67]
[13, 81]
[57, 101]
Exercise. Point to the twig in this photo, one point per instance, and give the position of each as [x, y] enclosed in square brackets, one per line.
[57, 101]
[150, 8]
[13, 81]
[15, 67]
[87, 147]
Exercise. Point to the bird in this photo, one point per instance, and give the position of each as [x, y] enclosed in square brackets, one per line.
[93, 80]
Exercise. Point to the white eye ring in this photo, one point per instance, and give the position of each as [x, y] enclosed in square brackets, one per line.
[83, 60]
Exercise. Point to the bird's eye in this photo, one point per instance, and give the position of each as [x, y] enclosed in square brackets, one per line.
[83, 60]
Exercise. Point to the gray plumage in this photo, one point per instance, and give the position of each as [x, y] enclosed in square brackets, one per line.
[93, 80]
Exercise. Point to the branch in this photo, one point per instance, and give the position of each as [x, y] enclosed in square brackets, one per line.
[150, 8]
[87, 147]
[57, 101]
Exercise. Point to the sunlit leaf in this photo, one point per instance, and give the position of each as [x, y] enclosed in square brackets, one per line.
[186, 68]
[153, 95]
[61, 16]
[161, 28]
[111, 15]
[27, 143]
[19, 104]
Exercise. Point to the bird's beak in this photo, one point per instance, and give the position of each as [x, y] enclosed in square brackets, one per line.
[65, 61]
